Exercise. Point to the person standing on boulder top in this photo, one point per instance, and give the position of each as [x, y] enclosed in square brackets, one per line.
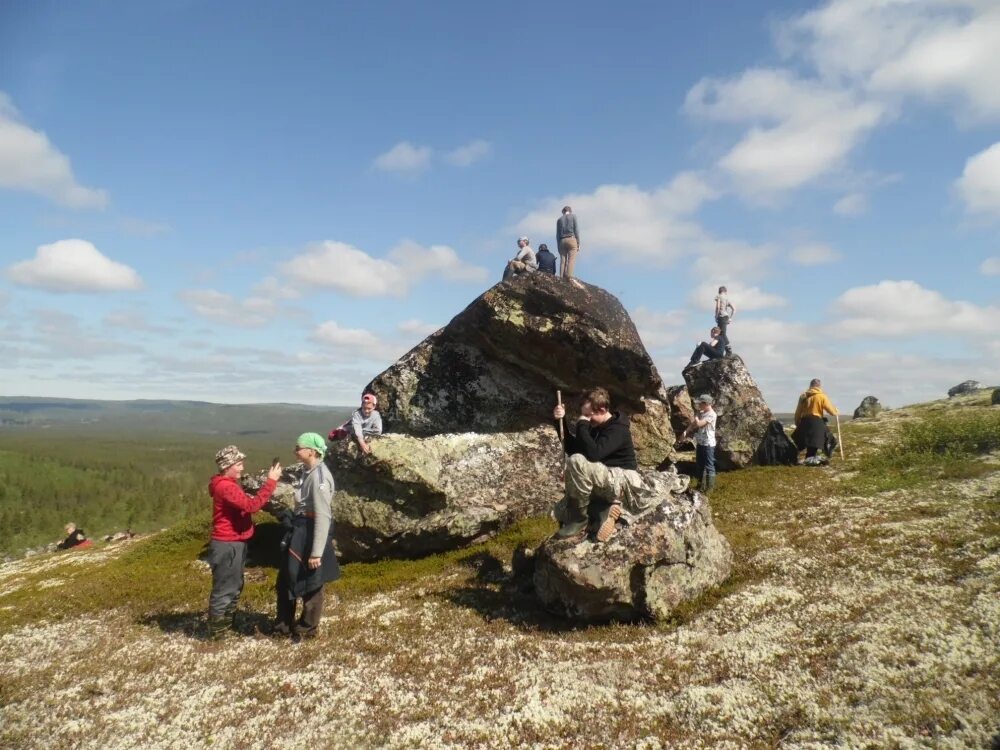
[232, 527]
[724, 314]
[601, 468]
[568, 239]
[810, 428]
[310, 561]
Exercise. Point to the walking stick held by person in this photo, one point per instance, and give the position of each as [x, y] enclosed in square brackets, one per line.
[840, 440]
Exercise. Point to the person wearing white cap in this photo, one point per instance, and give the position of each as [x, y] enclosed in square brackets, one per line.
[523, 262]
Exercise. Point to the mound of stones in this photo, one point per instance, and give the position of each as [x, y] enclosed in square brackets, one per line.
[670, 554]
[746, 430]
[869, 407]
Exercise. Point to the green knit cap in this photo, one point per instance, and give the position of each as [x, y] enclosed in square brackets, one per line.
[312, 440]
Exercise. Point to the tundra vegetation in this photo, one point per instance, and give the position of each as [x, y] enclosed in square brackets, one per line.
[864, 612]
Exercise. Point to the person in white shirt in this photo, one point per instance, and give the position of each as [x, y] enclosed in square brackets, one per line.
[724, 314]
[703, 429]
[523, 262]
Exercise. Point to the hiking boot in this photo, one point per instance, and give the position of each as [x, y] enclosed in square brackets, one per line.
[709, 483]
[570, 516]
[571, 528]
[607, 528]
[220, 628]
[280, 630]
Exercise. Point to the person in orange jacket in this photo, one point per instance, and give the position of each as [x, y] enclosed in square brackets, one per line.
[810, 428]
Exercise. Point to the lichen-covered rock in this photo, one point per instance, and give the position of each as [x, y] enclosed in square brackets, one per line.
[968, 386]
[666, 557]
[681, 410]
[744, 416]
[497, 365]
[869, 407]
[415, 495]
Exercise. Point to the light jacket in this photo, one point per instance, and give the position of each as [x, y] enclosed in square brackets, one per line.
[813, 403]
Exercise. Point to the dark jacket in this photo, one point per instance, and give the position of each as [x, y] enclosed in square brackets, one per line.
[609, 443]
[298, 539]
[546, 261]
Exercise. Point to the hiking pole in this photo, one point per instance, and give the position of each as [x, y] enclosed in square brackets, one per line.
[840, 440]
[559, 403]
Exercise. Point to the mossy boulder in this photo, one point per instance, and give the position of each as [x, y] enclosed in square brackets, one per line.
[497, 365]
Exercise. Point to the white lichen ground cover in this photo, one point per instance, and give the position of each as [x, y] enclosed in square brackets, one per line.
[875, 623]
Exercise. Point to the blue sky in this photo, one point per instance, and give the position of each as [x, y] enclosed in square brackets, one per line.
[250, 201]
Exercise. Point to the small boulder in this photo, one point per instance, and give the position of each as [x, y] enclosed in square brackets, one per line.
[744, 416]
[995, 399]
[969, 386]
[681, 411]
[869, 407]
[665, 557]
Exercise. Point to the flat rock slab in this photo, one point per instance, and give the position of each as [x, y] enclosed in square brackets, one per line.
[669, 555]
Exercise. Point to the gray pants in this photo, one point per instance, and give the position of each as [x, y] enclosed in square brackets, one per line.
[589, 481]
[227, 560]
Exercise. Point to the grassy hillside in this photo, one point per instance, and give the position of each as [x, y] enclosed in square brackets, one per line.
[862, 613]
[142, 472]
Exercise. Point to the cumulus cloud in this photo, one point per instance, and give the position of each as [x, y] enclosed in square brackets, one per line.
[659, 329]
[990, 266]
[979, 185]
[404, 157]
[814, 254]
[469, 154]
[337, 265]
[629, 223]
[905, 308]
[74, 266]
[252, 312]
[801, 130]
[358, 343]
[29, 162]
[852, 204]
[743, 296]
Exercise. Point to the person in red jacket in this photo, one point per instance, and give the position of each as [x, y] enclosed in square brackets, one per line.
[231, 528]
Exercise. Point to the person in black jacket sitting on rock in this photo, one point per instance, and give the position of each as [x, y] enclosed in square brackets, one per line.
[546, 260]
[74, 537]
[601, 466]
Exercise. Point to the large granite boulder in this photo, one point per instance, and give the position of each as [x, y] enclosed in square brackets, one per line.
[413, 496]
[669, 555]
[869, 407]
[681, 410]
[744, 416]
[497, 365]
[968, 386]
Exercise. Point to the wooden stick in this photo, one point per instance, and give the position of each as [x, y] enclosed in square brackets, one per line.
[559, 402]
[840, 440]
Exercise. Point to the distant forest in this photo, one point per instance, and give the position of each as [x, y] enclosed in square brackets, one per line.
[122, 467]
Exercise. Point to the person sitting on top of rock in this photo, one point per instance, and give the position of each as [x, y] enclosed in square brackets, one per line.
[364, 424]
[714, 348]
[546, 260]
[74, 537]
[601, 467]
[523, 262]
[810, 429]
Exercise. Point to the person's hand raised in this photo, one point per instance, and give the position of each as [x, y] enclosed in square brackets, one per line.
[275, 472]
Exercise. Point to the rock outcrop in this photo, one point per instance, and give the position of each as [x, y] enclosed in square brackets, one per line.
[669, 555]
[744, 416]
[995, 398]
[681, 410]
[968, 386]
[869, 407]
[497, 365]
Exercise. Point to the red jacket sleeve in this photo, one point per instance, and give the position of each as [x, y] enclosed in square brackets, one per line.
[231, 493]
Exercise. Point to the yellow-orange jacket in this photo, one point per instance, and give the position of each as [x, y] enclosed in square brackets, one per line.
[813, 403]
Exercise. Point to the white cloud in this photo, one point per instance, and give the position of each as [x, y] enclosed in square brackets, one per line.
[252, 312]
[628, 223]
[337, 265]
[659, 329]
[904, 308]
[74, 266]
[990, 266]
[802, 128]
[814, 254]
[725, 260]
[852, 204]
[359, 344]
[29, 162]
[404, 157]
[416, 327]
[742, 296]
[979, 185]
[470, 153]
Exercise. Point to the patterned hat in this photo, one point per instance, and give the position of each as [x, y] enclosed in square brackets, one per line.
[228, 456]
[370, 397]
[705, 399]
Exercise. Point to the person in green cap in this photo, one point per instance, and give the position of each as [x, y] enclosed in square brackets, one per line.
[309, 561]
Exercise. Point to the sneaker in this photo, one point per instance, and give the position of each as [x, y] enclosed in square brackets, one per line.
[607, 527]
